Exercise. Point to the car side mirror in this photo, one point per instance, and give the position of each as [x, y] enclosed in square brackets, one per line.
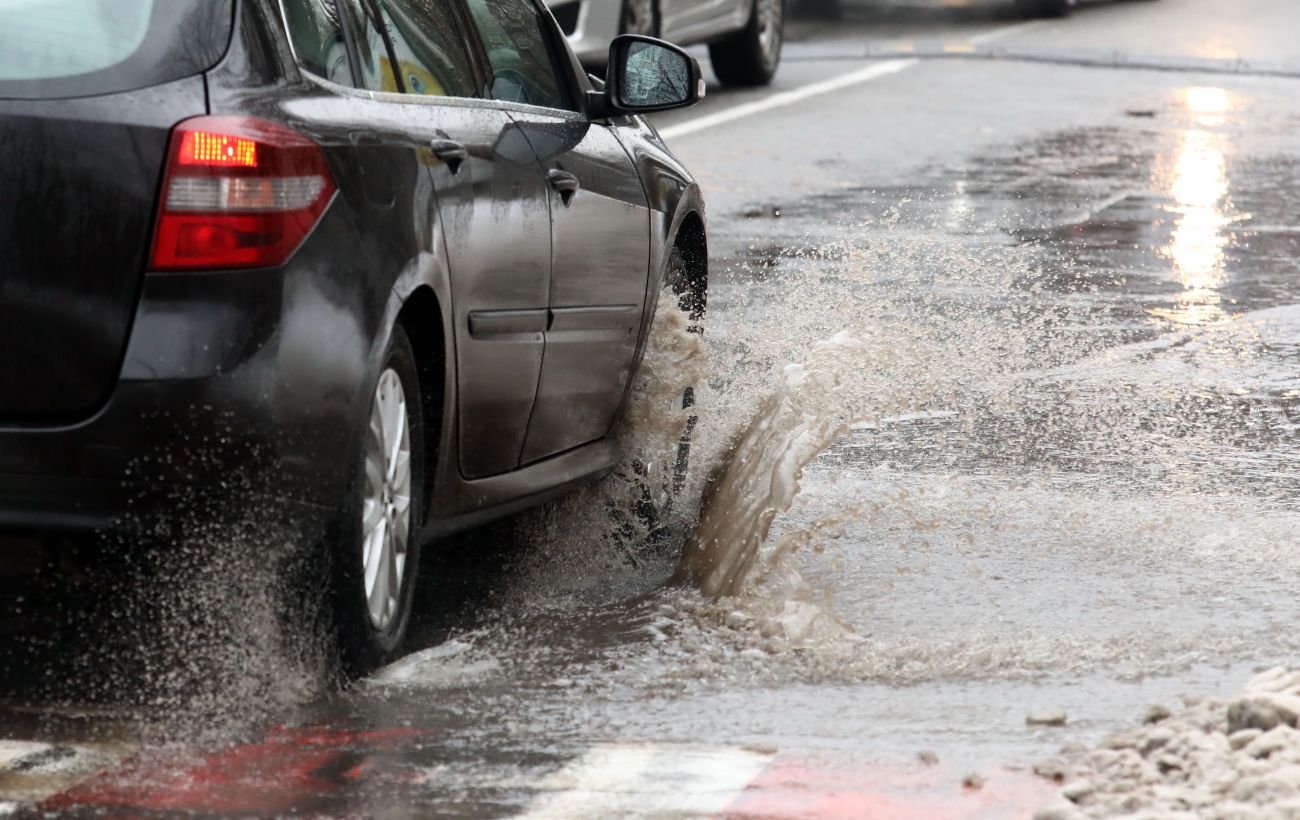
[644, 75]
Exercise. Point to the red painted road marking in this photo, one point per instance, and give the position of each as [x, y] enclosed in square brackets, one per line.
[332, 772]
[289, 767]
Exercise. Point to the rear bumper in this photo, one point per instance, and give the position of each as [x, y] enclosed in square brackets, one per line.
[237, 388]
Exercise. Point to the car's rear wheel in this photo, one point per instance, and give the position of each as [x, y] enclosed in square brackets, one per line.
[750, 56]
[378, 546]
[640, 17]
[1045, 8]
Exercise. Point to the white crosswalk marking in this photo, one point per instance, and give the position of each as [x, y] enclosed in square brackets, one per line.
[12, 751]
[647, 781]
[31, 771]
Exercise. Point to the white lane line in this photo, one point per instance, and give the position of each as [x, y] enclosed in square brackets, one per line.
[1005, 31]
[784, 98]
[647, 781]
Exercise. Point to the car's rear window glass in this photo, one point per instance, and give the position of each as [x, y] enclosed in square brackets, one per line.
[316, 32]
[430, 53]
[59, 38]
[58, 48]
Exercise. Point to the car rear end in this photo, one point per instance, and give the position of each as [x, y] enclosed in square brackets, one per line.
[145, 247]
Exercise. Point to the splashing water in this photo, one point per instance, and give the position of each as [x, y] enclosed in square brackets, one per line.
[805, 414]
[591, 542]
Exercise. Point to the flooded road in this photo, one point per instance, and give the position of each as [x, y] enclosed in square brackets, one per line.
[1000, 390]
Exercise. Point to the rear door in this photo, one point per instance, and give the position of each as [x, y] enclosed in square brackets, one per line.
[600, 229]
[89, 92]
[426, 127]
[492, 201]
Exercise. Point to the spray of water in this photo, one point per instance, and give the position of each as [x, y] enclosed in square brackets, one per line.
[596, 543]
[805, 414]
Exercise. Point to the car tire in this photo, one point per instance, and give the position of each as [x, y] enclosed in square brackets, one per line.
[677, 279]
[693, 303]
[657, 501]
[749, 57]
[639, 17]
[1045, 8]
[377, 544]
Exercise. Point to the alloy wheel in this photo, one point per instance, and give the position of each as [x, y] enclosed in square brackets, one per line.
[386, 508]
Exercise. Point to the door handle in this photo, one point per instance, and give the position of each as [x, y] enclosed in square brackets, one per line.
[564, 183]
[450, 152]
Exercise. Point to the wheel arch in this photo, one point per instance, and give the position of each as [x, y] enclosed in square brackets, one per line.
[421, 317]
[691, 239]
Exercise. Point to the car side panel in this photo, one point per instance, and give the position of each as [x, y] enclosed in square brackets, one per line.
[599, 268]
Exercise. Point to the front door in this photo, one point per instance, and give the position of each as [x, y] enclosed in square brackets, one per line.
[600, 229]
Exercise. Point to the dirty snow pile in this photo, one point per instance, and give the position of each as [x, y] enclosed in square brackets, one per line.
[1228, 760]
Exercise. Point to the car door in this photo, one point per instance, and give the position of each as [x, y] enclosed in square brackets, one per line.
[600, 230]
[492, 199]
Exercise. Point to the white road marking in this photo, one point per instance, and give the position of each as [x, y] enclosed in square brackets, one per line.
[647, 781]
[782, 99]
[14, 750]
[1005, 31]
[33, 771]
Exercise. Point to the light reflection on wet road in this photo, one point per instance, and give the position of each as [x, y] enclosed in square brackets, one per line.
[1071, 483]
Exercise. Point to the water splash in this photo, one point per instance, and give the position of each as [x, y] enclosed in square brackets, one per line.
[592, 544]
[805, 414]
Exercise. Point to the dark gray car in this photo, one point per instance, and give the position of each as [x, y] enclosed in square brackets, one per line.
[384, 266]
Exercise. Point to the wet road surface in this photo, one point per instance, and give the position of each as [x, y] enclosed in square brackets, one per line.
[1062, 472]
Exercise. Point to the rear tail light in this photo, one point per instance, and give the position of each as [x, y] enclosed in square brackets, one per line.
[239, 192]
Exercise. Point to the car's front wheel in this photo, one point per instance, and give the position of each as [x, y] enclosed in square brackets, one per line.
[662, 471]
[750, 56]
[378, 545]
[1045, 8]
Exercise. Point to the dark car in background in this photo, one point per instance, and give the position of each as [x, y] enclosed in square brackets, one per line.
[386, 266]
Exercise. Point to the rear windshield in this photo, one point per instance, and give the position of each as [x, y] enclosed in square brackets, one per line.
[64, 48]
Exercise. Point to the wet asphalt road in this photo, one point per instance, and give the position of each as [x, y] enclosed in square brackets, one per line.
[1069, 252]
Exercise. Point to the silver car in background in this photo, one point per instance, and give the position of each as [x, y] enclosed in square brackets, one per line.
[744, 36]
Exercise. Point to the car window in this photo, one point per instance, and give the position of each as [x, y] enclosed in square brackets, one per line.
[317, 37]
[430, 52]
[524, 66]
[372, 53]
[64, 48]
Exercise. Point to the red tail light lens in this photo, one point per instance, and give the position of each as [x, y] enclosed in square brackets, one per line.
[202, 148]
[239, 192]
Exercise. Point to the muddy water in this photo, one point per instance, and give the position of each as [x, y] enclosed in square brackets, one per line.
[1114, 434]
[1021, 435]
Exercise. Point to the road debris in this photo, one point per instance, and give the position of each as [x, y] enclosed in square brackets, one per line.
[1237, 758]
